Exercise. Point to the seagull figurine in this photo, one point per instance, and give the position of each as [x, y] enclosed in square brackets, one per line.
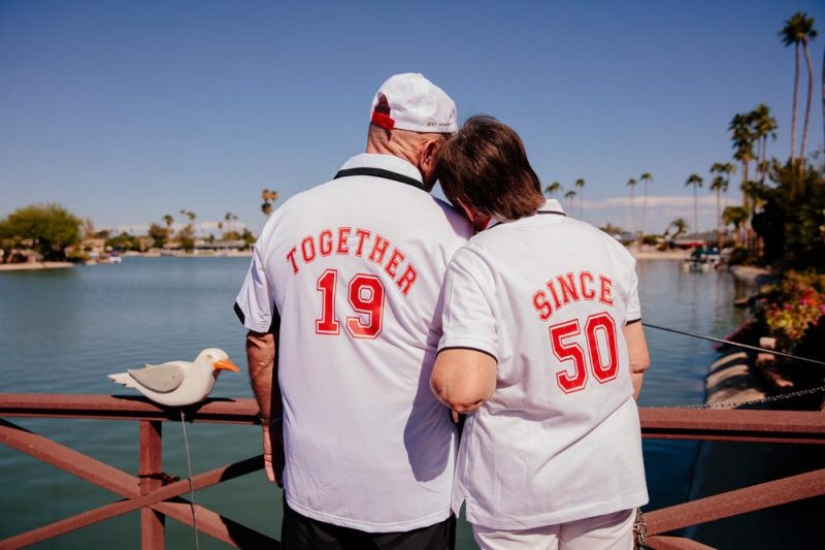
[178, 383]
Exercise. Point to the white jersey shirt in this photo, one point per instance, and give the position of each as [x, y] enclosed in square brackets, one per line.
[354, 268]
[559, 440]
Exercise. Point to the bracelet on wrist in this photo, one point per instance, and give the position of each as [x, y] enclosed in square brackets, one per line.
[270, 421]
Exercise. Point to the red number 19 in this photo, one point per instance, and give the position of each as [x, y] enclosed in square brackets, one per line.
[365, 295]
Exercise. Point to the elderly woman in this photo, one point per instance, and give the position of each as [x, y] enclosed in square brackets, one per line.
[543, 347]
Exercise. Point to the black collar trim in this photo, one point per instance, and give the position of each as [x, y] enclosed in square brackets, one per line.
[379, 173]
[553, 212]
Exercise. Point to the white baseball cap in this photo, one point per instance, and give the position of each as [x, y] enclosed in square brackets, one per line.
[409, 101]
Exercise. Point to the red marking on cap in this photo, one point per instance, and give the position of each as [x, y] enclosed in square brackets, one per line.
[385, 121]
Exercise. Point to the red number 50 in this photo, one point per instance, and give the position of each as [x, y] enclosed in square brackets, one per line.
[365, 295]
[604, 366]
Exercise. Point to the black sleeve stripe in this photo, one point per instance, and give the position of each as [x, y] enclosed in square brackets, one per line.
[471, 349]
[273, 327]
[639, 320]
[239, 313]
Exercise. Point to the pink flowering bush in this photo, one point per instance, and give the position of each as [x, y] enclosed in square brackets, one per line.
[794, 306]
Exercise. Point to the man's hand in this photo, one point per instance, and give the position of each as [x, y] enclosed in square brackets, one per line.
[274, 452]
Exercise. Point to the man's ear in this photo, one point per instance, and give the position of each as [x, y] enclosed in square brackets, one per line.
[428, 154]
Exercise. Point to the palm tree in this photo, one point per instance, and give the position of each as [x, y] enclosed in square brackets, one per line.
[809, 32]
[680, 225]
[552, 189]
[718, 185]
[230, 218]
[696, 182]
[268, 197]
[725, 169]
[645, 178]
[632, 184]
[580, 185]
[743, 138]
[797, 31]
[763, 126]
[569, 196]
[735, 216]
[168, 220]
[187, 234]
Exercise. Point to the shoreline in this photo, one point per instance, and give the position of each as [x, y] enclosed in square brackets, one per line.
[679, 255]
[35, 266]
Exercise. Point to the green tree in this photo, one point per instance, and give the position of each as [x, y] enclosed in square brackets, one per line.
[793, 232]
[645, 178]
[718, 185]
[569, 196]
[725, 169]
[680, 225]
[230, 232]
[743, 140]
[695, 181]
[186, 236]
[798, 30]
[168, 220]
[48, 228]
[123, 242]
[552, 189]
[248, 238]
[744, 137]
[632, 184]
[735, 216]
[580, 186]
[158, 235]
[763, 127]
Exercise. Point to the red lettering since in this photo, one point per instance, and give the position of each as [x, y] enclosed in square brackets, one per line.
[561, 290]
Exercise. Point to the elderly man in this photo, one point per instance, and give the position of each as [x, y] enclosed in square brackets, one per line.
[345, 279]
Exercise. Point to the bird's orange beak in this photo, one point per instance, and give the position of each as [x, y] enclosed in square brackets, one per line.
[225, 364]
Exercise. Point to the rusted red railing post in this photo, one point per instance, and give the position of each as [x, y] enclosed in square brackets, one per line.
[152, 523]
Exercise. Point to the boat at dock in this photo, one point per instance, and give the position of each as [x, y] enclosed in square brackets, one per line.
[703, 259]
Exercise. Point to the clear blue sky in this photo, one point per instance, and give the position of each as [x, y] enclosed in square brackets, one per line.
[126, 111]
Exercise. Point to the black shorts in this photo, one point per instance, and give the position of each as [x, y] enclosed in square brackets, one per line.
[299, 532]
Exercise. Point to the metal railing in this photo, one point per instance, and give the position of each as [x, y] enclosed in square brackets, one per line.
[158, 498]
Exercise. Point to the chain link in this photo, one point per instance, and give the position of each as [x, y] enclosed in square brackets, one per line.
[737, 404]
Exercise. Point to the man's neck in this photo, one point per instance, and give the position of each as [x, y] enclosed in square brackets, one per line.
[392, 143]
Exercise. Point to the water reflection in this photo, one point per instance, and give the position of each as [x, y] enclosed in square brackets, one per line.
[63, 332]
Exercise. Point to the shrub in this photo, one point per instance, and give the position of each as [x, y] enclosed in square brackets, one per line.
[794, 306]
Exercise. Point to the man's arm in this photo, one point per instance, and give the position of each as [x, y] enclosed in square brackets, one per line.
[463, 379]
[260, 357]
[634, 335]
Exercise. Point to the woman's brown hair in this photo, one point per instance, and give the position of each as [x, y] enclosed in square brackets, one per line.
[484, 165]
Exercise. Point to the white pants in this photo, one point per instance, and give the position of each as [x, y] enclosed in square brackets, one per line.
[608, 532]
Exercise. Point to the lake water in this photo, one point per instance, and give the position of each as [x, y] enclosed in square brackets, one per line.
[63, 331]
